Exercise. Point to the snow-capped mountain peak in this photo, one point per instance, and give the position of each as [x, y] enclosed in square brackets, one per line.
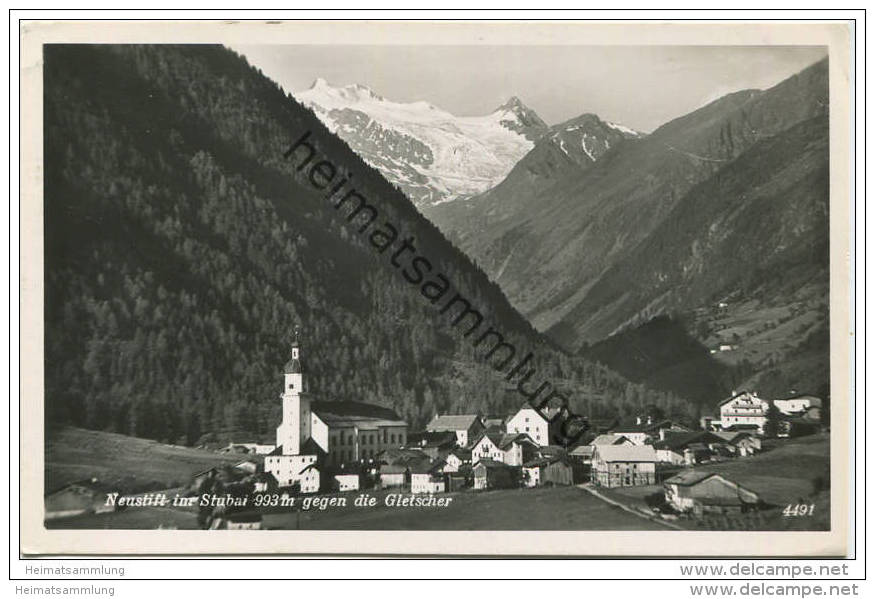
[431, 154]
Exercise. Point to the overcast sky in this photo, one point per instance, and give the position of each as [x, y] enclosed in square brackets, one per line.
[638, 86]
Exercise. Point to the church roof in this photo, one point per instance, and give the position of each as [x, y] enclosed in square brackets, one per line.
[293, 366]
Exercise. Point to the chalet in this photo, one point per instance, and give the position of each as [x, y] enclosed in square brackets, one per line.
[393, 475]
[86, 496]
[537, 425]
[465, 426]
[490, 474]
[426, 477]
[347, 481]
[511, 449]
[706, 493]
[624, 466]
[743, 409]
[542, 471]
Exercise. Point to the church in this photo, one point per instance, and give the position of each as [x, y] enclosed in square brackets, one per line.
[326, 436]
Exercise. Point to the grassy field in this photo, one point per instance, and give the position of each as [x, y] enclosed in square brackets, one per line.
[146, 518]
[561, 508]
[128, 462]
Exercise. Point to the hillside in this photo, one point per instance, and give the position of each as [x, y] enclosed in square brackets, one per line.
[565, 150]
[182, 249]
[662, 355]
[551, 247]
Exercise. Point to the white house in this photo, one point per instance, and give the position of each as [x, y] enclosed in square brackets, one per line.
[529, 421]
[456, 459]
[742, 410]
[392, 475]
[798, 405]
[309, 479]
[425, 477]
[511, 449]
[347, 482]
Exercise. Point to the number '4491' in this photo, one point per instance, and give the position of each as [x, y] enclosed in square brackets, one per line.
[798, 509]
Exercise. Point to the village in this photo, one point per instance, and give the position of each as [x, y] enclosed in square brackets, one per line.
[337, 448]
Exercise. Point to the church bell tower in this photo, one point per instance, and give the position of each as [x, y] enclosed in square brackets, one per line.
[295, 427]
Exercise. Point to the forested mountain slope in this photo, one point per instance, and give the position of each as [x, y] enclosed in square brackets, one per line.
[182, 249]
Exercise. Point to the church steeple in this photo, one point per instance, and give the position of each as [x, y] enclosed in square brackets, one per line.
[293, 366]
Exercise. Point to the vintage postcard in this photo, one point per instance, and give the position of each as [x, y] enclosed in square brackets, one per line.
[357, 288]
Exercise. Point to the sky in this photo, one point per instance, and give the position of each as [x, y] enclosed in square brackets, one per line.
[641, 87]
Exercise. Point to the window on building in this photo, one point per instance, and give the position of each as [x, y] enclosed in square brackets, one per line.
[393, 438]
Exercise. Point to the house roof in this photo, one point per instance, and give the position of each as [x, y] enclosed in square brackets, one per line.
[491, 464]
[813, 401]
[626, 453]
[452, 422]
[355, 413]
[545, 461]
[397, 456]
[426, 467]
[504, 440]
[393, 469]
[739, 394]
[461, 453]
[689, 478]
[608, 439]
[679, 440]
[584, 450]
[742, 427]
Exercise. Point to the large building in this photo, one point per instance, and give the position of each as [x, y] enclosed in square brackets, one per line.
[350, 431]
[743, 410]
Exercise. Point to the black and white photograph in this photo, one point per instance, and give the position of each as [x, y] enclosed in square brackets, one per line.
[331, 285]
